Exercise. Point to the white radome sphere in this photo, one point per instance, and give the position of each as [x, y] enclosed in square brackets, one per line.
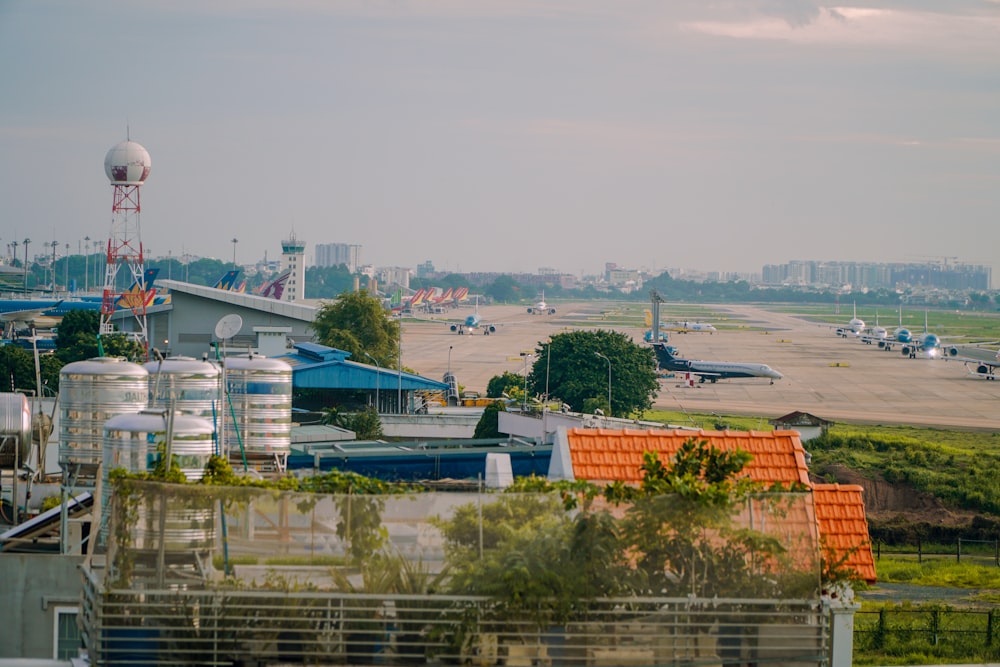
[127, 163]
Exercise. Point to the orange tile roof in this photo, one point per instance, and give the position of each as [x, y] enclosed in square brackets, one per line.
[840, 513]
[606, 455]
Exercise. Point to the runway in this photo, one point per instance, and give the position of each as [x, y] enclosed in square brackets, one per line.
[834, 378]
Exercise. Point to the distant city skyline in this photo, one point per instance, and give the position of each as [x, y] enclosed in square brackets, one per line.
[500, 135]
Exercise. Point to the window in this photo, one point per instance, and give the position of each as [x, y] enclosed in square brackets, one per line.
[66, 634]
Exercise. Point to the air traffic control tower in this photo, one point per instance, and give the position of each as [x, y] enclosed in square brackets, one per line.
[293, 262]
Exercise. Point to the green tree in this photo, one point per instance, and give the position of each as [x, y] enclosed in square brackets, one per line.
[326, 282]
[500, 384]
[488, 425]
[18, 368]
[504, 289]
[570, 367]
[680, 527]
[357, 323]
[76, 337]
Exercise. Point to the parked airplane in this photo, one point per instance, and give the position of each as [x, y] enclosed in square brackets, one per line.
[712, 370]
[689, 327]
[680, 327]
[47, 313]
[541, 308]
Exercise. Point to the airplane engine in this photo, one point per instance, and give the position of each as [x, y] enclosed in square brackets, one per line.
[531, 310]
[454, 327]
[907, 350]
[490, 329]
[953, 351]
[552, 311]
[983, 369]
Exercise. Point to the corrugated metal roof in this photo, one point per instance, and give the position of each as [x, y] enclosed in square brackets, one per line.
[316, 366]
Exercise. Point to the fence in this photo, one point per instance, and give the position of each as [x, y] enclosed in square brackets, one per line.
[237, 627]
[984, 552]
[210, 575]
[959, 634]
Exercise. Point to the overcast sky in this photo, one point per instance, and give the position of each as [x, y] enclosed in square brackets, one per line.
[508, 135]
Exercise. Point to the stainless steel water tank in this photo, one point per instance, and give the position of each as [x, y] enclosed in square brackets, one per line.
[136, 442]
[15, 429]
[261, 393]
[90, 393]
[185, 384]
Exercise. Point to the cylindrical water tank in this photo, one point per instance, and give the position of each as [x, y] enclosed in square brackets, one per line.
[260, 390]
[185, 384]
[90, 393]
[136, 442]
[15, 429]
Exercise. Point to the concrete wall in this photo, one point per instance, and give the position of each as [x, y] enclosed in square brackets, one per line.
[436, 426]
[31, 587]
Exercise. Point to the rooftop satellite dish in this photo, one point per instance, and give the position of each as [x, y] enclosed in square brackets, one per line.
[228, 326]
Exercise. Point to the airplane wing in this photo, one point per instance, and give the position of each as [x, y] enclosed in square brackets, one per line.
[27, 314]
[980, 361]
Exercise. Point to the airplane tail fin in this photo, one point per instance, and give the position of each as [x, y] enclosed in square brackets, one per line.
[276, 288]
[139, 295]
[227, 281]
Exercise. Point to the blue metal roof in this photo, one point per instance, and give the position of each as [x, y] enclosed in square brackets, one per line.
[316, 366]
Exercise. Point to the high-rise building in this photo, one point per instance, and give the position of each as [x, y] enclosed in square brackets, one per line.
[335, 254]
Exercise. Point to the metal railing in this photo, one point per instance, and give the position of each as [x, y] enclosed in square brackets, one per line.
[220, 626]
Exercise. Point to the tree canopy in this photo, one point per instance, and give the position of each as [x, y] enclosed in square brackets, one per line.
[356, 322]
[568, 367]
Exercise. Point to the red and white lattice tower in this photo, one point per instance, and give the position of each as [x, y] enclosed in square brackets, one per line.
[127, 166]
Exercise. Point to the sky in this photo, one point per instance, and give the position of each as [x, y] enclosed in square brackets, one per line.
[511, 135]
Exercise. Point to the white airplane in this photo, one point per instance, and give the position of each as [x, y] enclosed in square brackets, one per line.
[854, 327]
[541, 308]
[680, 327]
[712, 371]
[876, 334]
[689, 327]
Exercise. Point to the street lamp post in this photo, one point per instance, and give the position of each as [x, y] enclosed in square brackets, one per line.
[66, 272]
[235, 241]
[86, 264]
[378, 378]
[54, 244]
[609, 380]
[449, 358]
[26, 242]
[524, 396]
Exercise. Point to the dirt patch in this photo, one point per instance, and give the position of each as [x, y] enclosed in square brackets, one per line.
[885, 501]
